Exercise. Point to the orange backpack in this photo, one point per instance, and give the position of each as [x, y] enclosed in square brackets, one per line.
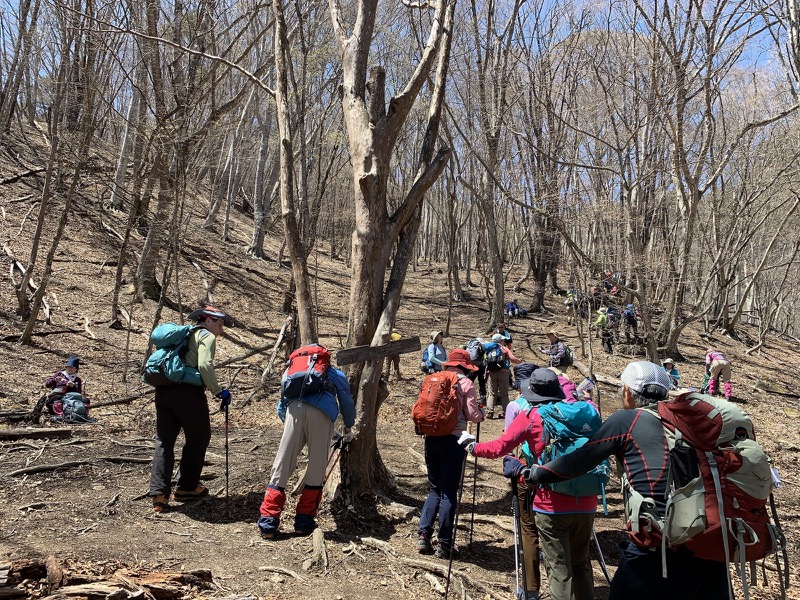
[437, 407]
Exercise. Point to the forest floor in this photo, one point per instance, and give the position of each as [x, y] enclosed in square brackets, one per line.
[92, 517]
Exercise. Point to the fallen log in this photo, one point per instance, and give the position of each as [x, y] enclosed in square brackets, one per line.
[34, 434]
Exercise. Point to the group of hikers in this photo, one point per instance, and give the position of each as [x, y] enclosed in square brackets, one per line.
[556, 520]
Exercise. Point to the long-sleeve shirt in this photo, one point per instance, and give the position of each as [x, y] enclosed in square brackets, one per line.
[200, 354]
[557, 350]
[329, 401]
[527, 427]
[468, 402]
[60, 382]
[636, 438]
[601, 322]
[437, 355]
[716, 355]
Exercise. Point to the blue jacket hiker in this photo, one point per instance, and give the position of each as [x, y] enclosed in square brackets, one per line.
[184, 406]
[307, 421]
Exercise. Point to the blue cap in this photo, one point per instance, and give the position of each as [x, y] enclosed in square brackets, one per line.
[73, 361]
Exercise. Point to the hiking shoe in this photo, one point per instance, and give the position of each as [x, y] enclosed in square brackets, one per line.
[160, 504]
[268, 527]
[304, 524]
[445, 552]
[424, 544]
[190, 495]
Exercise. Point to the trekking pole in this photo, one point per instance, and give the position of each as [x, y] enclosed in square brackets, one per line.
[455, 526]
[600, 558]
[474, 486]
[227, 468]
[519, 551]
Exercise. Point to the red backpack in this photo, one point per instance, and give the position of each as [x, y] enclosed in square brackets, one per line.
[436, 409]
[306, 372]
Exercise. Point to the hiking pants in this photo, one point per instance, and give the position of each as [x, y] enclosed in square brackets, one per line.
[444, 459]
[480, 376]
[305, 425]
[498, 389]
[530, 538]
[688, 578]
[607, 336]
[722, 369]
[565, 544]
[392, 361]
[179, 406]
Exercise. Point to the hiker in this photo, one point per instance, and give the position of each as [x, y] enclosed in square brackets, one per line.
[636, 437]
[557, 350]
[512, 309]
[64, 382]
[567, 386]
[308, 421]
[602, 325]
[434, 354]
[498, 359]
[674, 376]
[444, 460]
[393, 360]
[184, 406]
[630, 319]
[718, 366]
[475, 348]
[528, 533]
[564, 523]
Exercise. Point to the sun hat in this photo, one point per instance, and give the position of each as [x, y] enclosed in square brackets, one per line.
[641, 373]
[667, 361]
[543, 386]
[602, 310]
[73, 361]
[210, 311]
[436, 333]
[459, 358]
[554, 333]
[522, 373]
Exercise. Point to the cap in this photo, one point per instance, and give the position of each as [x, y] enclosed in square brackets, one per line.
[637, 375]
[602, 310]
[459, 358]
[543, 386]
[498, 337]
[73, 361]
[210, 311]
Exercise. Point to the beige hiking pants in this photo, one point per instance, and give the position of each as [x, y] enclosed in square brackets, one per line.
[305, 425]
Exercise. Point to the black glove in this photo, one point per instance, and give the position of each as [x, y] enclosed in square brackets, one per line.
[225, 396]
[513, 467]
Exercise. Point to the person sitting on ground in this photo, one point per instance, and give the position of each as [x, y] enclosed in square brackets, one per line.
[674, 376]
[635, 436]
[436, 354]
[308, 422]
[444, 460]
[564, 523]
[557, 350]
[718, 366]
[393, 360]
[184, 406]
[499, 377]
[64, 382]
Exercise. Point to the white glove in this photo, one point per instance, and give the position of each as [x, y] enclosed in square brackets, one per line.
[466, 440]
[348, 435]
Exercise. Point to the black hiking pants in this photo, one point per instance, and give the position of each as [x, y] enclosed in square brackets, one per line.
[179, 406]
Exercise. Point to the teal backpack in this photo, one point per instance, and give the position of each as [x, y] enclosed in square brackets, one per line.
[567, 427]
[166, 365]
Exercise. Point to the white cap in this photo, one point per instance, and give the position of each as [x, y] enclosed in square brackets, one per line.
[637, 375]
[497, 337]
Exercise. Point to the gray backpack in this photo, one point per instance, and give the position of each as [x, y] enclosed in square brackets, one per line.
[74, 409]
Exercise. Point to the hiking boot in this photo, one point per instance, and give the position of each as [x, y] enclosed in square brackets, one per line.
[190, 495]
[304, 524]
[443, 551]
[268, 527]
[424, 544]
[160, 504]
[490, 413]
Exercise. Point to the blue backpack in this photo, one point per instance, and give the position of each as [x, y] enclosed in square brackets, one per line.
[166, 365]
[567, 426]
[424, 364]
[493, 357]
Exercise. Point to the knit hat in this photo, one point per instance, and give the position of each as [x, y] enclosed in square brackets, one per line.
[210, 311]
[73, 361]
[460, 358]
[543, 386]
[641, 373]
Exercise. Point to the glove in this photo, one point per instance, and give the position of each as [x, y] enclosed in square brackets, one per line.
[512, 467]
[341, 440]
[225, 396]
[348, 435]
[466, 440]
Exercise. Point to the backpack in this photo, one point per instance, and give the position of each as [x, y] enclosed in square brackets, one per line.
[424, 364]
[567, 426]
[475, 349]
[166, 365]
[71, 408]
[493, 357]
[630, 316]
[306, 372]
[569, 356]
[436, 410]
[721, 483]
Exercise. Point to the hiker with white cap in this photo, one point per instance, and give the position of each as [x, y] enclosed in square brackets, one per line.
[184, 406]
[674, 376]
[636, 438]
[498, 358]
